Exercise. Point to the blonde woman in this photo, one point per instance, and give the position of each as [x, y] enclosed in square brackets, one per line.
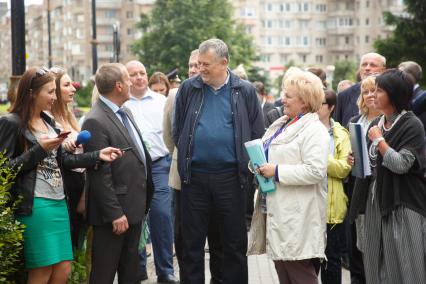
[292, 227]
[66, 122]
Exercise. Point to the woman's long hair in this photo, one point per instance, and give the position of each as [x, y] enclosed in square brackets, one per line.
[60, 110]
[29, 86]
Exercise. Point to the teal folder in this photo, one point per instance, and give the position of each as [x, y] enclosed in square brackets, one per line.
[257, 157]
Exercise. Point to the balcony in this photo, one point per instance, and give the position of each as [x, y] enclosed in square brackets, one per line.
[341, 48]
[342, 30]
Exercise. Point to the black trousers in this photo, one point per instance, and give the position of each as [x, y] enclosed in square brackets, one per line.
[74, 184]
[331, 271]
[113, 253]
[213, 237]
[221, 200]
[356, 264]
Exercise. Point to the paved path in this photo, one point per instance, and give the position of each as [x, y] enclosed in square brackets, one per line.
[261, 271]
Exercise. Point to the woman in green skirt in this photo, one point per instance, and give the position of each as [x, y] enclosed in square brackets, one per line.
[33, 144]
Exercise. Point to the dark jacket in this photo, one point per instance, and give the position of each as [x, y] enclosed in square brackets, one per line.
[346, 105]
[393, 190]
[247, 117]
[419, 105]
[121, 187]
[273, 115]
[23, 151]
[267, 107]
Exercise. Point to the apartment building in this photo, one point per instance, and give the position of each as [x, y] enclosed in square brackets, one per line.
[307, 32]
[71, 32]
[316, 32]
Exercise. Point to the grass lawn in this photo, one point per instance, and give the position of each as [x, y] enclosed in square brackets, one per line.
[3, 108]
[84, 109]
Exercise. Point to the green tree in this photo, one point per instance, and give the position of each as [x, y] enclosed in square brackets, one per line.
[174, 28]
[408, 41]
[256, 73]
[344, 70]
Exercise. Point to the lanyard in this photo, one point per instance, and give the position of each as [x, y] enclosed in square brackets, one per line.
[268, 142]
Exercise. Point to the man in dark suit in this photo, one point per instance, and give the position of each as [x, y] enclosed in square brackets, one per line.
[418, 102]
[346, 105]
[118, 193]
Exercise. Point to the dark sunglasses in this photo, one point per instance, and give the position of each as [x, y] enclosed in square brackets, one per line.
[39, 73]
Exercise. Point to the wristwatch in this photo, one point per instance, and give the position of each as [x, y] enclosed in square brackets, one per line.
[377, 140]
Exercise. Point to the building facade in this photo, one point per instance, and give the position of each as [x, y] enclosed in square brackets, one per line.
[71, 32]
[315, 32]
[305, 32]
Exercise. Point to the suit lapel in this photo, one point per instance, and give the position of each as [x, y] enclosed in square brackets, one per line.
[113, 117]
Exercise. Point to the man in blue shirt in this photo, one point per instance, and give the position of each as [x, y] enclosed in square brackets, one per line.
[215, 113]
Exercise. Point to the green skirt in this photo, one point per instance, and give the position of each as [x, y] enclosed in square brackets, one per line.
[47, 237]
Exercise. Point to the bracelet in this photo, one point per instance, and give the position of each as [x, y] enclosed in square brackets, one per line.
[376, 141]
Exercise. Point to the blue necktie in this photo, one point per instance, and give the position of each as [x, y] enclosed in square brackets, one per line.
[126, 123]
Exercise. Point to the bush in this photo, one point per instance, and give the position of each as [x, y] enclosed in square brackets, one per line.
[78, 268]
[11, 239]
[84, 95]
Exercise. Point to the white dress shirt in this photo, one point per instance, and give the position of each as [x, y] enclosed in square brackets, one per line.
[148, 113]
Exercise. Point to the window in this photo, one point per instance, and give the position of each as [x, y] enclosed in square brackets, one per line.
[367, 39]
[129, 14]
[303, 57]
[265, 58]
[345, 22]
[346, 40]
[322, 8]
[367, 21]
[321, 25]
[319, 58]
[283, 58]
[269, 24]
[247, 12]
[367, 4]
[304, 24]
[110, 13]
[268, 7]
[287, 41]
[287, 7]
[321, 42]
[306, 7]
[267, 40]
[129, 31]
[287, 24]
[109, 47]
[305, 41]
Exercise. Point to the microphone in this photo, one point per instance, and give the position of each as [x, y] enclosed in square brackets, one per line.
[83, 137]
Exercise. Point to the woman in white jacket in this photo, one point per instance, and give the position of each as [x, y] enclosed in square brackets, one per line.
[292, 230]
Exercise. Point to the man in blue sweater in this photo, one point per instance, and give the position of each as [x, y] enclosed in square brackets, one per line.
[215, 113]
